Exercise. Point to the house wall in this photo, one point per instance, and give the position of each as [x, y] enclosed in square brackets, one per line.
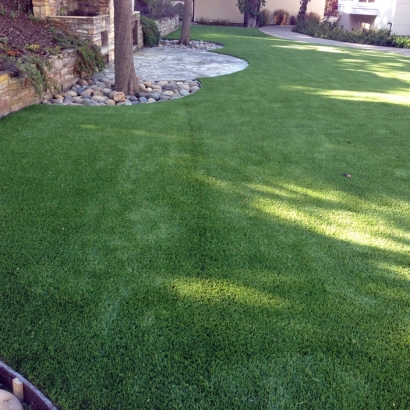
[393, 11]
[401, 21]
[227, 9]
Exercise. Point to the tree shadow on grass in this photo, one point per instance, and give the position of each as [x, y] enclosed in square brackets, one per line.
[200, 262]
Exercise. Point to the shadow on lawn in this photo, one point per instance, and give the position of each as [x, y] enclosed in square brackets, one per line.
[204, 263]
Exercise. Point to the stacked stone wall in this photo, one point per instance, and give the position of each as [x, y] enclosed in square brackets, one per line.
[167, 25]
[16, 94]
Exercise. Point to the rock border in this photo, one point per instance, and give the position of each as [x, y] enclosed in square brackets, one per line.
[94, 91]
[98, 90]
[32, 396]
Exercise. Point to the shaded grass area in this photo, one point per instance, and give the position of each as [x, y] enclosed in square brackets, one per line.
[208, 253]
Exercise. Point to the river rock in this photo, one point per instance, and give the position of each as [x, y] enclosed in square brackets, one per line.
[99, 98]
[118, 96]
[90, 103]
[184, 92]
[9, 401]
[110, 102]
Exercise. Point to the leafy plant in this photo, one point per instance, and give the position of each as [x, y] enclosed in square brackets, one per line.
[203, 20]
[32, 47]
[90, 59]
[264, 17]
[329, 30]
[221, 22]
[280, 17]
[33, 18]
[401, 41]
[34, 69]
[250, 7]
[292, 20]
[313, 17]
[179, 10]
[150, 31]
[156, 9]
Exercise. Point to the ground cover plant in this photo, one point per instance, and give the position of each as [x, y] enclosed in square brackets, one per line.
[209, 253]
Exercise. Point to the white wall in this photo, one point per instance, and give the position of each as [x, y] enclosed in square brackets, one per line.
[401, 21]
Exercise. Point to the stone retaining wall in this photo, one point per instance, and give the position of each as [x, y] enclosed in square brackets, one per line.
[167, 25]
[16, 94]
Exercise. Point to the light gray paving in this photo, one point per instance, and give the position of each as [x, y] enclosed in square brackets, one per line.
[166, 63]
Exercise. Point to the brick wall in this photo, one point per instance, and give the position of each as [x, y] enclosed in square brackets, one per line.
[16, 94]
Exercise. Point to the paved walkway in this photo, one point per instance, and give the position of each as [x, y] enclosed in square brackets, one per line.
[287, 33]
[167, 63]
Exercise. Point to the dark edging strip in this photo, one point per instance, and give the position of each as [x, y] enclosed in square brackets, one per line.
[32, 396]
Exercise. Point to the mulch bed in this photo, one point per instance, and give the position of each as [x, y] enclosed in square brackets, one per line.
[20, 31]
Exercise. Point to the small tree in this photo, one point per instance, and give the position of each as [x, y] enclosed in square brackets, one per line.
[125, 77]
[302, 10]
[331, 8]
[186, 23]
[250, 8]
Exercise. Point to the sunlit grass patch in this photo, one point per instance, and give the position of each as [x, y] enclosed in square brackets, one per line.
[210, 252]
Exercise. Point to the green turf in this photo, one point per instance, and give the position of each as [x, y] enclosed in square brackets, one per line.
[208, 253]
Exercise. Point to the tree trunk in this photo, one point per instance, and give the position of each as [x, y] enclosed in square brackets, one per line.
[245, 19]
[186, 23]
[125, 77]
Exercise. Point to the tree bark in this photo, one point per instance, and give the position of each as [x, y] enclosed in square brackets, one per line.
[125, 77]
[245, 19]
[186, 23]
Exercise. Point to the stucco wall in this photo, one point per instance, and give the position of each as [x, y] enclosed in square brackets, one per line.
[389, 11]
[401, 22]
[227, 9]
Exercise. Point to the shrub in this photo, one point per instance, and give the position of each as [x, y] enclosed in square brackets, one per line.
[400, 41]
[280, 17]
[203, 20]
[90, 59]
[221, 22]
[150, 31]
[292, 20]
[314, 17]
[156, 9]
[330, 31]
[179, 10]
[263, 18]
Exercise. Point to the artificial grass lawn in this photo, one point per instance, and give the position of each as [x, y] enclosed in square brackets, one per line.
[208, 253]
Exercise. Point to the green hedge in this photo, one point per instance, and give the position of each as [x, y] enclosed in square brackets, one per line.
[150, 31]
[330, 31]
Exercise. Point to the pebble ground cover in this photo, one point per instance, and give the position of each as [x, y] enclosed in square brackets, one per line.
[209, 253]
